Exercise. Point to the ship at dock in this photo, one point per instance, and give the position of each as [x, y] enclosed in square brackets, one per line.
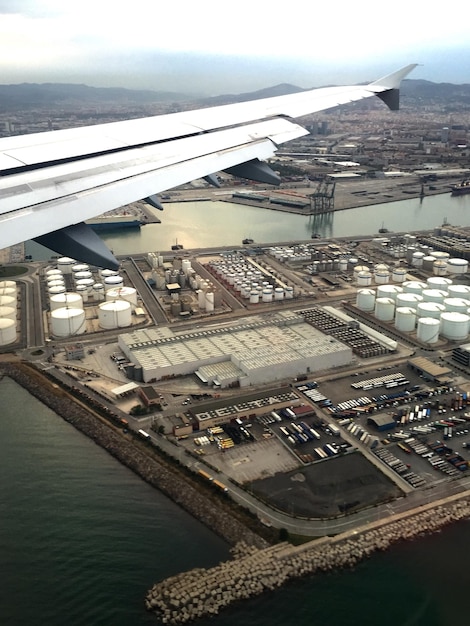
[461, 188]
[114, 222]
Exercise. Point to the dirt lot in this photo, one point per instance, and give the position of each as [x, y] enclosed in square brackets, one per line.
[328, 488]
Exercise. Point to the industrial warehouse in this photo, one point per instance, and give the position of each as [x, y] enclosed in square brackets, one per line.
[246, 352]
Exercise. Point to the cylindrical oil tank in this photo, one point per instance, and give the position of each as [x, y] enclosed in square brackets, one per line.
[384, 309]
[254, 297]
[399, 275]
[430, 309]
[9, 312]
[85, 282]
[405, 319]
[98, 291]
[111, 282]
[363, 279]
[267, 295]
[440, 256]
[7, 301]
[54, 272]
[439, 268]
[186, 266]
[455, 326]
[428, 262]
[107, 273]
[55, 283]
[365, 299]
[428, 329]
[388, 291]
[67, 322]
[56, 289]
[8, 291]
[457, 266]
[209, 295]
[438, 282]
[359, 268]
[7, 331]
[410, 250]
[408, 299]
[343, 264]
[459, 291]
[82, 291]
[70, 300]
[413, 286]
[175, 308]
[459, 305]
[288, 293]
[65, 264]
[434, 295]
[128, 294]
[185, 303]
[278, 293]
[115, 314]
[160, 281]
[85, 274]
[80, 267]
[417, 259]
[5, 284]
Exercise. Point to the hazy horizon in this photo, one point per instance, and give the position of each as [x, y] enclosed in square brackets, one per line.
[196, 48]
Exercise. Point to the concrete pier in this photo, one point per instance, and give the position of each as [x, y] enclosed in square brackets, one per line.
[204, 592]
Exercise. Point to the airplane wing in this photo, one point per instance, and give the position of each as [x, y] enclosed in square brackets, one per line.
[51, 182]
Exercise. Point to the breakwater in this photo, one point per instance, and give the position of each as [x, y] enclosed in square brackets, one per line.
[220, 516]
[205, 592]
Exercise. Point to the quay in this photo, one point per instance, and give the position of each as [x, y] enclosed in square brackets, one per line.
[252, 571]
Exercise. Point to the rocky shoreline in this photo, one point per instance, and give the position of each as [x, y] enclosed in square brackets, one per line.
[155, 470]
[205, 592]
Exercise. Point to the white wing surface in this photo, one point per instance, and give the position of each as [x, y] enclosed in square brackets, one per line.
[51, 181]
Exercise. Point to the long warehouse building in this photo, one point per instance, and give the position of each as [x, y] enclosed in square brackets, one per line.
[250, 351]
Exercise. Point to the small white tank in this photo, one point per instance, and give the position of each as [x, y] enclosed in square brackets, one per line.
[56, 290]
[65, 264]
[428, 329]
[9, 312]
[209, 295]
[289, 293]
[8, 291]
[254, 297]
[457, 266]
[82, 291]
[428, 262]
[363, 279]
[69, 300]
[85, 282]
[413, 286]
[111, 282]
[459, 305]
[388, 291]
[365, 299]
[116, 314]
[128, 294]
[459, 291]
[430, 309]
[455, 326]
[107, 273]
[417, 259]
[82, 276]
[405, 319]
[408, 299]
[98, 291]
[438, 282]
[80, 267]
[278, 294]
[67, 322]
[439, 268]
[399, 275]
[8, 301]
[7, 331]
[267, 295]
[434, 295]
[384, 309]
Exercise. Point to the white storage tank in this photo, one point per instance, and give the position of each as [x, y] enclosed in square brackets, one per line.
[65, 264]
[8, 291]
[85, 282]
[459, 305]
[399, 275]
[365, 299]
[254, 297]
[82, 276]
[52, 274]
[434, 295]
[417, 259]
[201, 300]
[343, 265]
[7, 331]
[278, 294]
[82, 291]
[8, 301]
[428, 329]
[186, 266]
[289, 293]
[384, 309]
[455, 326]
[430, 309]
[68, 322]
[128, 294]
[363, 279]
[409, 299]
[405, 319]
[438, 282]
[388, 291]
[428, 263]
[111, 282]
[8, 312]
[413, 286]
[209, 295]
[57, 289]
[107, 273]
[80, 267]
[440, 256]
[457, 266]
[459, 291]
[98, 291]
[70, 300]
[267, 295]
[359, 268]
[116, 314]
[439, 268]
[55, 283]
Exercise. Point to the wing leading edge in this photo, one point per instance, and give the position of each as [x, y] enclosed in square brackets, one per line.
[51, 181]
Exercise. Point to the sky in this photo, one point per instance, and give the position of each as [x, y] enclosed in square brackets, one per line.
[209, 47]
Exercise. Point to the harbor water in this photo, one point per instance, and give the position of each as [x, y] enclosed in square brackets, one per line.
[82, 539]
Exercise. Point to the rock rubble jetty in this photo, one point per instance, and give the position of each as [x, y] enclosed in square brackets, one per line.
[252, 571]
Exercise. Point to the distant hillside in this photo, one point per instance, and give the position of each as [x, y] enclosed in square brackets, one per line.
[50, 95]
[35, 96]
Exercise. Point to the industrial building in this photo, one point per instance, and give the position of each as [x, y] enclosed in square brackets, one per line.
[246, 352]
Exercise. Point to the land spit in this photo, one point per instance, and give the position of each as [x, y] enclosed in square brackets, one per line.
[205, 592]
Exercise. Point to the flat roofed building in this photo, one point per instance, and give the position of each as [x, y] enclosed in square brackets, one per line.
[262, 349]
